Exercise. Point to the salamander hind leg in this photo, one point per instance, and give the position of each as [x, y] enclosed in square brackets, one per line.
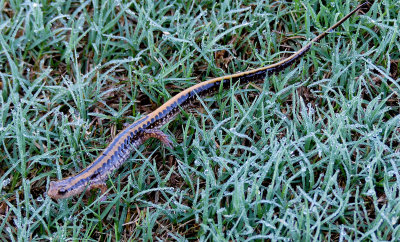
[158, 134]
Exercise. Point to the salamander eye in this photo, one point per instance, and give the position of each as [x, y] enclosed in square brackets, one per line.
[62, 191]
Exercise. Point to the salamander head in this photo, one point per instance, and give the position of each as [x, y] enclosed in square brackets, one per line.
[63, 189]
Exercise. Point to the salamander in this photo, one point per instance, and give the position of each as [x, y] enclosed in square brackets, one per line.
[148, 126]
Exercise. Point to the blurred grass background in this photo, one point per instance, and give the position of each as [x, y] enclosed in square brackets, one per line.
[312, 153]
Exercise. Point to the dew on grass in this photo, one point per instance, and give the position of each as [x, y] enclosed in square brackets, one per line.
[221, 210]
[310, 108]
[6, 182]
[395, 220]
[370, 192]
[253, 149]
[391, 173]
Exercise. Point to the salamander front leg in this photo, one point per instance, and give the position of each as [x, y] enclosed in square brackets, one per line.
[103, 188]
[158, 134]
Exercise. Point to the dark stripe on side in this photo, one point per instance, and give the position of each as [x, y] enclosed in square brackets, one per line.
[109, 149]
[122, 134]
[80, 183]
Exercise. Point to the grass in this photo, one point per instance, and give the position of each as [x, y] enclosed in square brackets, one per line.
[312, 153]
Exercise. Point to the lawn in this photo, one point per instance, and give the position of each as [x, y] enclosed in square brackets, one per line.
[311, 153]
